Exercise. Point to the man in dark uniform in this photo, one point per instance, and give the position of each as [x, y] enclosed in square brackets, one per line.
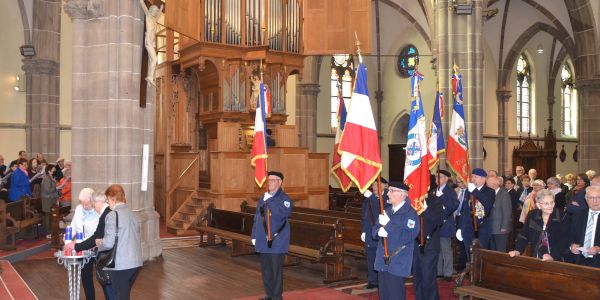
[485, 196]
[369, 213]
[425, 256]
[447, 196]
[271, 234]
[400, 226]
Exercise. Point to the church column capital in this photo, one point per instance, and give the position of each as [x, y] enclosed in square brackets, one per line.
[309, 89]
[83, 9]
[503, 95]
[587, 84]
[40, 66]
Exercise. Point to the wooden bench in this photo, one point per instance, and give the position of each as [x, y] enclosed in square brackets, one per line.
[351, 228]
[57, 215]
[15, 217]
[331, 213]
[323, 244]
[496, 275]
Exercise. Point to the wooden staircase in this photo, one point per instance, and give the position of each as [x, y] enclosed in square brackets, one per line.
[187, 214]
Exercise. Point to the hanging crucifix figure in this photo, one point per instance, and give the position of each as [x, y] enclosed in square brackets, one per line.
[152, 15]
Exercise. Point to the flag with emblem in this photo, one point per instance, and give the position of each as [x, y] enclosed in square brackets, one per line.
[259, 144]
[416, 168]
[436, 145]
[359, 143]
[457, 155]
[336, 170]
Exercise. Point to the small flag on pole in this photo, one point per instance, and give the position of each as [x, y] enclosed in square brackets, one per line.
[457, 155]
[436, 144]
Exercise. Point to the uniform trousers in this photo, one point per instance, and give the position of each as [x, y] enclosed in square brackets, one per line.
[425, 270]
[391, 287]
[271, 267]
[445, 265]
[372, 274]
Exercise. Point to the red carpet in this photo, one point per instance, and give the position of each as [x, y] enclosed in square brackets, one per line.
[12, 285]
[312, 294]
[445, 290]
[24, 245]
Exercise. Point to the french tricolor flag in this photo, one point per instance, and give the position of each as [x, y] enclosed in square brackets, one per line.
[259, 144]
[416, 169]
[457, 155]
[359, 144]
[336, 169]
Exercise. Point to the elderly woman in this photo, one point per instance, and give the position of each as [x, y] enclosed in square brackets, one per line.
[48, 193]
[19, 184]
[100, 204]
[545, 230]
[529, 203]
[85, 220]
[128, 256]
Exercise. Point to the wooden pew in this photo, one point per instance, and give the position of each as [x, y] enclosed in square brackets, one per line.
[351, 228]
[331, 213]
[16, 217]
[323, 244]
[8, 229]
[496, 275]
[57, 215]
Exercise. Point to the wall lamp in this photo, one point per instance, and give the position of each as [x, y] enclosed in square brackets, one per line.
[462, 9]
[20, 84]
[27, 51]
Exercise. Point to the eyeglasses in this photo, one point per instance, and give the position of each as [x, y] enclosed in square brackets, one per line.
[273, 180]
[546, 203]
[595, 198]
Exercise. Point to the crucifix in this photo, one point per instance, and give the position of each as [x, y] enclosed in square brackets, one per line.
[152, 14]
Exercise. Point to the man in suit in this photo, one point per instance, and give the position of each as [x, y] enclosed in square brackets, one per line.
[485, 197]
[271, 234]
[400, 226]
[509, 185]
[501, 215]
[426, 253]
[525, 189]
[553, 185]
[447, 196]
[369, 212]
[585, 230]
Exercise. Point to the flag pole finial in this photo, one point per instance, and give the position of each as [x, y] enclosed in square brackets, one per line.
[358, 51]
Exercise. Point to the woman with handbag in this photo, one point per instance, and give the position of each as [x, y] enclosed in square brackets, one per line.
[100, 205]
[121, 237]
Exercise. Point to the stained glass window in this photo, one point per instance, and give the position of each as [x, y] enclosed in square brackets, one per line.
[523, 95]
[342, 77]
[568, 103]
[408, 60]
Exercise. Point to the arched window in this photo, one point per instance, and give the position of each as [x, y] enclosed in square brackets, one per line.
[568, 103]
[342, 77]
[523, 95]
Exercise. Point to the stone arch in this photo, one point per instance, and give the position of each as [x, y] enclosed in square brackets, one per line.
[399, 128]
[25, 21]
[411, 19]
[582, 22]
[513, 53]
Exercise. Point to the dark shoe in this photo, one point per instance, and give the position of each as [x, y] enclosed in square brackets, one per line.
[371, 286]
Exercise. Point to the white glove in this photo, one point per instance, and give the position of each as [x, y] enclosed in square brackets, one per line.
[471, 187]
[459, 235]
[362, 237]
[381, 232]
[384, 219]
[367, 194]
[438, 193]
[253, 242]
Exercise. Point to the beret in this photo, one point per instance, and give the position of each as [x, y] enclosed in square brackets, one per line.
[479, 172]
[444, 172]
[399, 184]
[275, 173]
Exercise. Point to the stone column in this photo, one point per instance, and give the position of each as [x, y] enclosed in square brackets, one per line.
[441, 49]
[306, 114]
[503, 97]
[588, 92]
[109, 126]
[43, 85]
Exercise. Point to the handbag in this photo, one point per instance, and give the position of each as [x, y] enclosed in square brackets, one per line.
[106, 259]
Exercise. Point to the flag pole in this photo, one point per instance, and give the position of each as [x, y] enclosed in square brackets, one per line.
[262, 108]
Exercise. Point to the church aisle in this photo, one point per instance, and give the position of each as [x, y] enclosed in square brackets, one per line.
[184, 273]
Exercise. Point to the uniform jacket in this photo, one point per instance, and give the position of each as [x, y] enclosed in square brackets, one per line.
[577, 234]
[514, 199]
[450, 202]
[557, 229]
[486, 197]
[280, 207]
[19, 185]
[402, 229]
[129, 249]
[433, 218]
[502, 213]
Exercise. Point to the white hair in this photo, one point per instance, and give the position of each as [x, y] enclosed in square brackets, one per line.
[86, 194]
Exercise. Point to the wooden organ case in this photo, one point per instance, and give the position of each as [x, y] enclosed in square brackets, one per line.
[212, 54]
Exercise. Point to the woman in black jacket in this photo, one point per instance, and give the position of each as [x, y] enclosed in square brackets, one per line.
[545, 230]
[100, 203]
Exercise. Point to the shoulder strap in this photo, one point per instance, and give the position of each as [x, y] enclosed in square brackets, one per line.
[117, 228]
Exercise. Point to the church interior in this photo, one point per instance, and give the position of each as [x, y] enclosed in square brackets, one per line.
[160, 97]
